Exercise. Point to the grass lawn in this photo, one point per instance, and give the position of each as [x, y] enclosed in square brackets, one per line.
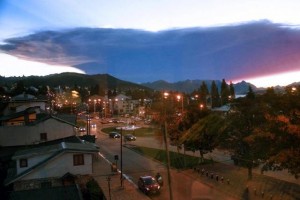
[178, 161]
[274, 189]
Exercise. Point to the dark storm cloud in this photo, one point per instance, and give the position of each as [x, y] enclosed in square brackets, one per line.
[229, 52]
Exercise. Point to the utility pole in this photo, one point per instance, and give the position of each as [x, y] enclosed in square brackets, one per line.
[88, 124]
[108, 182]
[168, 160]
[121, 161]
[165, 133]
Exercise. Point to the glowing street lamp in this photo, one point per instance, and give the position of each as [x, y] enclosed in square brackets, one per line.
[201, 106]
[166, 94]
[165, 135]
[179, 97]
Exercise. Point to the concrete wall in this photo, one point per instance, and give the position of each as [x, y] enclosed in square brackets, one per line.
[28, 135]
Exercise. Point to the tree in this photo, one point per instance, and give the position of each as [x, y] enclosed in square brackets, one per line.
[225, 93]
[203, 93]
[84, 94]
[243, 134]
[283, 126]
[231, 90]
[250, 94]
[203, 135]
[215, 98]
[264, 128]
[19, 88]
[97, 90]
[285, 151]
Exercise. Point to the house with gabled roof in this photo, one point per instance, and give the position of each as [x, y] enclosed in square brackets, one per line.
[33, 126]
[51, 166]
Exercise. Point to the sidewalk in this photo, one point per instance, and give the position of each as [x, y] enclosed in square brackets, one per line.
[236, 183]
[102, 173]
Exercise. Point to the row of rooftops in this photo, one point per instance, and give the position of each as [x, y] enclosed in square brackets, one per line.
[32, 111]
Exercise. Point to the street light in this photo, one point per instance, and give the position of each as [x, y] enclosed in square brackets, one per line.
[88, 124]
[108, 182]
[166, 94]
[121, 161]
[201, 106]
[179, 97]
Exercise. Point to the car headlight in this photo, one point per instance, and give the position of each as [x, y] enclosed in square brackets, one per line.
[147, 188]
[158, 187]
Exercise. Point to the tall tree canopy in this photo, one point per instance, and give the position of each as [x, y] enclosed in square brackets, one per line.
[225, 92]
[215, 97]
[203, 135]
[263, 128]
[203, 93]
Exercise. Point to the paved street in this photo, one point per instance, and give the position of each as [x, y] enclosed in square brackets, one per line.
[184, 186]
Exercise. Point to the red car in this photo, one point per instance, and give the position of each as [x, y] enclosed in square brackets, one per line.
[148, 185]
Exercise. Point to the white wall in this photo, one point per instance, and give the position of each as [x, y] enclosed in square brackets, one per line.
[28, 135]
[31, 162]
[60, 166]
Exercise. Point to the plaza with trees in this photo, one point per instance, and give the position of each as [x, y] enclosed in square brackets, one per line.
[259, 129]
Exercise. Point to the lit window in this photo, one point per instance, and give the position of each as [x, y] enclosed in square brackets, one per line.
[78, 159]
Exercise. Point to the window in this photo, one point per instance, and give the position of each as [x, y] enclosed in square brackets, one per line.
[78, 159]
[43, 136]
[23, 162]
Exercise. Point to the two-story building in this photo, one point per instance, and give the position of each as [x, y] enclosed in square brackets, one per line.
[33, 126]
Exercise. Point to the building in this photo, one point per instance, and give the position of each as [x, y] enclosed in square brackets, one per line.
[33, 126]
[51, 166]
[22, 102]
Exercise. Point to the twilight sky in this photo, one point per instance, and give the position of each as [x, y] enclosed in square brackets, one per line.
[140, 41]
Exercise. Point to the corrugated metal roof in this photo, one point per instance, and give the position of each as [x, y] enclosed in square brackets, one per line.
[63, 146]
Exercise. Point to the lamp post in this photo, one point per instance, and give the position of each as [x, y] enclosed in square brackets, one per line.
[116, 105]
[95, 105]
[88, 124]
[179, 97]
[167, 148]
[89, 103]
[121, 161]
[108, 182]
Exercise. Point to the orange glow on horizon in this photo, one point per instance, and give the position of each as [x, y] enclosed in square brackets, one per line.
[282, 79]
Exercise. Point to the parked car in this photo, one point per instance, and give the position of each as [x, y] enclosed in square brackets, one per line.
[82, 129]
[104, 121]
[129, 137]
[114, 135]
[148, 185]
